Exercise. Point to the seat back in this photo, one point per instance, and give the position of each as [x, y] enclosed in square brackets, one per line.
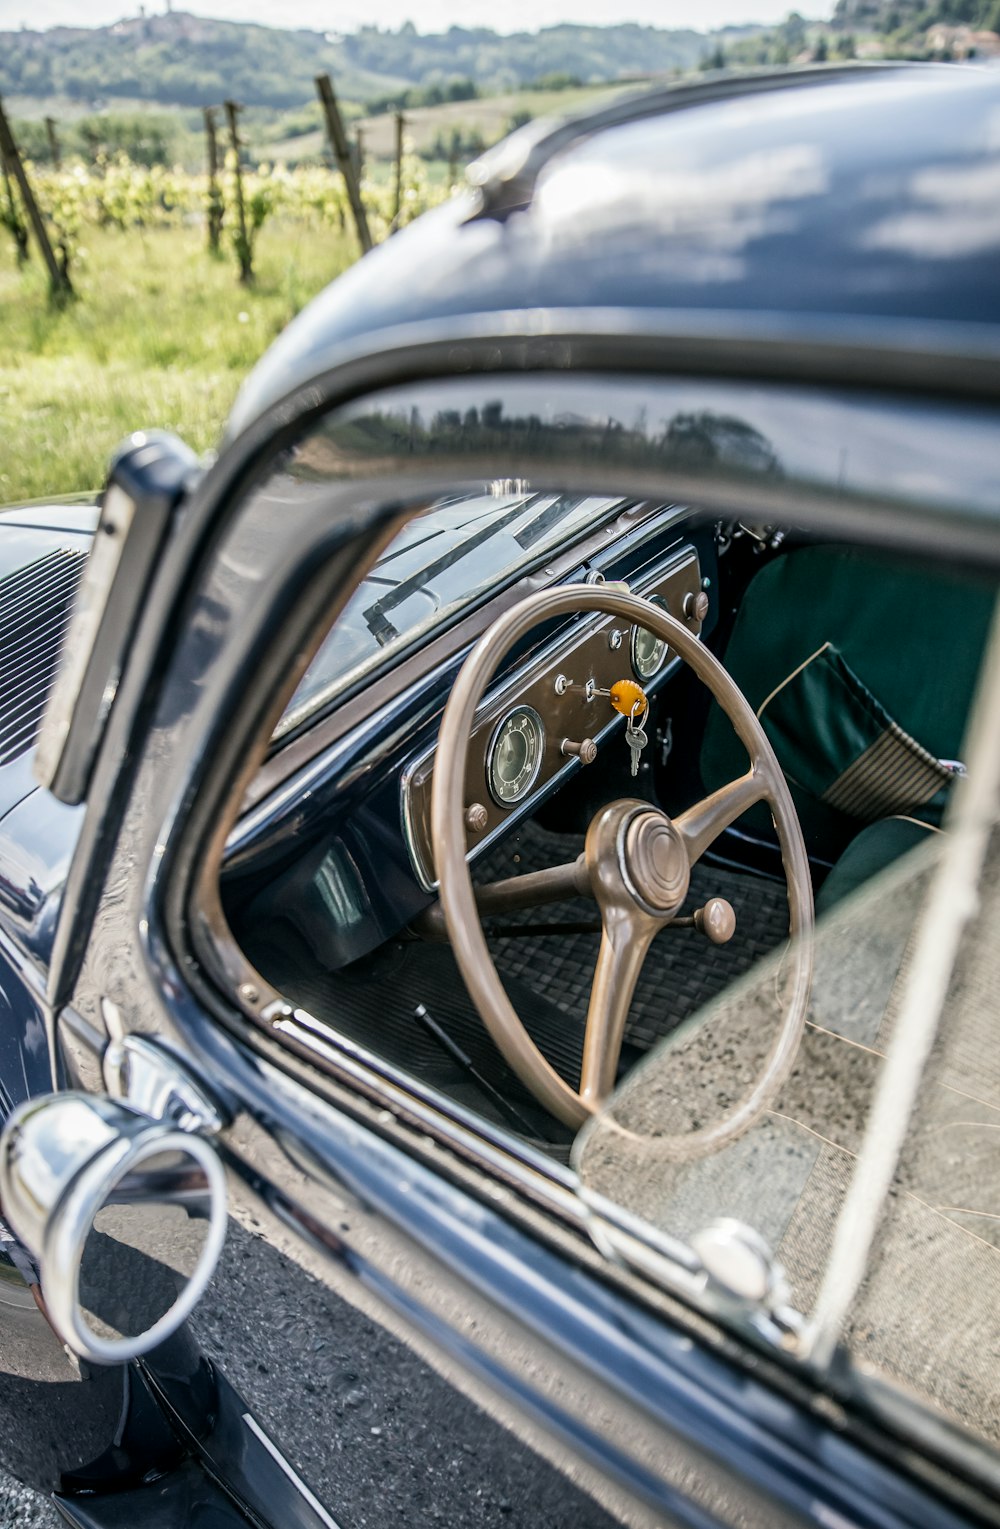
[913, 634]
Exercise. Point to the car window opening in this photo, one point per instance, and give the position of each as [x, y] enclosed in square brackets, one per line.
[860, 669]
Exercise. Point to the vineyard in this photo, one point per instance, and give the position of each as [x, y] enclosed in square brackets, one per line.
[115, 193]
[160, 331]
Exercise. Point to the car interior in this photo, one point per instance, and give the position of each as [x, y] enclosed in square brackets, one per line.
[860, 665]
[841, 650]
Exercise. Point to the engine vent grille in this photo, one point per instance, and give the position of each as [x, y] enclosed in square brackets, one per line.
[35, 607]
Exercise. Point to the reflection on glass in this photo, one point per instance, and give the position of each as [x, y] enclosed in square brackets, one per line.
[144, 1245]
[441, 563]
[927, 1314]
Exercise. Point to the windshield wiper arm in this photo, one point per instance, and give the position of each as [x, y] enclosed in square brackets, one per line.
[375, 616]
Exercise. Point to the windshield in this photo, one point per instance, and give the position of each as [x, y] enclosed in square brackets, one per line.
[443, 562]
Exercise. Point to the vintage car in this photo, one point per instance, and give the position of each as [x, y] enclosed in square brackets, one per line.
[498, 959]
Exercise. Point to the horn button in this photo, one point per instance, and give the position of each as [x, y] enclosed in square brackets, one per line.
[655, 862]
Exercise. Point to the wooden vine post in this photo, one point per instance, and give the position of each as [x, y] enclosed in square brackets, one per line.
[50, 129]
[60, 285]
[398, 198]
[243, 250]
[342, 154]
[215, 204]
[13, 218]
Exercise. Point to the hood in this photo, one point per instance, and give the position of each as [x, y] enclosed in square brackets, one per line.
[43, 548]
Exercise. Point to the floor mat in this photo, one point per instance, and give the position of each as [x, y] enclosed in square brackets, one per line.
[547, 979]
[682, 970]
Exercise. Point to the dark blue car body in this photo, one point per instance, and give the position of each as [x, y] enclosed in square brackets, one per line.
[828, 237]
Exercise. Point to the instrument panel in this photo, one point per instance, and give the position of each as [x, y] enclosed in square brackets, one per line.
[529, 731]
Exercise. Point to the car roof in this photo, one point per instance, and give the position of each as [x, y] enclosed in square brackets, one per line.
[822, 199]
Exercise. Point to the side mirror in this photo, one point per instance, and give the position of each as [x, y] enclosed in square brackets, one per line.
[149, 477]
[125, 1214]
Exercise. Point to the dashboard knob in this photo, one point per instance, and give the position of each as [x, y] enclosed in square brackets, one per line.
[716, 921]
[695, 605]
[586, 751]
[476, 818]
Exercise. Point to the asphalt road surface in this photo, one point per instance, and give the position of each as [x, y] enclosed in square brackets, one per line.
[393, 1442]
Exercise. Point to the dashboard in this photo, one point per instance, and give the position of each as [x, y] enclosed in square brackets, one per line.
[549, 718]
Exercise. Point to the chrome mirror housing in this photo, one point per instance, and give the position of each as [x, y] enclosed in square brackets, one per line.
[124, 1213]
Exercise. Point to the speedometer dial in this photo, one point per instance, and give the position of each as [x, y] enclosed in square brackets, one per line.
[648, 651]
[515, 755]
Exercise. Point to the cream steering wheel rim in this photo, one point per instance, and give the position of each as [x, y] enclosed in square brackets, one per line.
[765, 782]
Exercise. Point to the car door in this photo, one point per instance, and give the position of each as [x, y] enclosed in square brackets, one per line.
[535, 1312]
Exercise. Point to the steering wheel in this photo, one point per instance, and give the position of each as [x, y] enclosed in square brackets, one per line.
[636, 864]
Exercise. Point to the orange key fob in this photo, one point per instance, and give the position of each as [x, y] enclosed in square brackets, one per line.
[627, 696]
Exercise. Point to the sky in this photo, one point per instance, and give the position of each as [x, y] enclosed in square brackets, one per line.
[426, 15]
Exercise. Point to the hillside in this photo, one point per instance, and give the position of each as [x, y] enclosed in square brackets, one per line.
[887, 16]
[184, 60]
[874, 29]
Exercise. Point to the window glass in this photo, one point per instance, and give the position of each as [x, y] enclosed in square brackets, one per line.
[925, 1316]
[441, 563]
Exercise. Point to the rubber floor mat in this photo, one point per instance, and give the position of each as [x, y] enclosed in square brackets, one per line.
[682, 971]
[373, 1002]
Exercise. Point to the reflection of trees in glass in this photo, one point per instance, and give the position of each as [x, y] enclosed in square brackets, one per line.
[691, 441]
[720, 439]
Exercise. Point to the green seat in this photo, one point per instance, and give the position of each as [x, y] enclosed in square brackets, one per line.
[912, 634]
[869, 852]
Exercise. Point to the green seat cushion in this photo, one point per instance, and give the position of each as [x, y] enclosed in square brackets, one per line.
[869, 852]
[913, 636]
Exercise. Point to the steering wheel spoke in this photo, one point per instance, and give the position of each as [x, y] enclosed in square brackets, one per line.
[555, 884]
[625, 939]
[702, 824]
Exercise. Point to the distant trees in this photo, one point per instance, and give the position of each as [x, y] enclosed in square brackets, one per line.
[144, 138]
[188, 60]
[556, 79]
[425, 95]
[714, 60]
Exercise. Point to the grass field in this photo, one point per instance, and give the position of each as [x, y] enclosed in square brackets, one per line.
[161, 335]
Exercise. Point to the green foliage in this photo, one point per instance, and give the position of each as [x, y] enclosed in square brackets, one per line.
[558, 79]
[146, 138]
[117, 194]
[586, 53]
[12, 216]
[425, 95]
[908, 18]
[461, 144]
[160, 335]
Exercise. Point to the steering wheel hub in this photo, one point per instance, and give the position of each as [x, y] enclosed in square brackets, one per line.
[655, 862]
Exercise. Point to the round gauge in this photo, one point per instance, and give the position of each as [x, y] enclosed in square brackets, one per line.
[515, 755]
[648, 651]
